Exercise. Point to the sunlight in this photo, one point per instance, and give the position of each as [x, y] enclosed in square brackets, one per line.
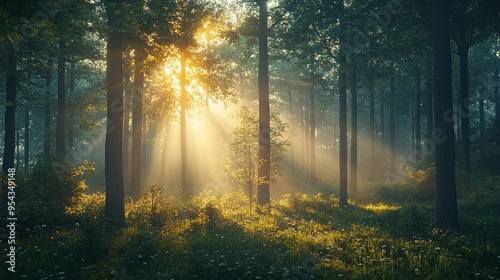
[207, 144]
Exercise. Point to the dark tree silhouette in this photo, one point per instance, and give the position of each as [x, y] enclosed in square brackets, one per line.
[114, 130]
[263, 193]
[446, 216]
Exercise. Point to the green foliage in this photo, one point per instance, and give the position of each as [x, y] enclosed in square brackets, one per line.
[50, 189]
[243, 162]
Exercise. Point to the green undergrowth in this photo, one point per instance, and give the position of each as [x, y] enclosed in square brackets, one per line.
[211, 236]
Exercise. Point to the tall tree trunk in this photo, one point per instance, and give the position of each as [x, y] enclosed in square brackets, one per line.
[292, 132]
[482, 122]
[446, 215]
[126, 133]
[18, 154]
[312, 135]
[10, 114]
[342, 116]
[463, 51]
[184, 182]
[372, 132]
[263, 192]
[418, 140]
[145, 160]
[429, 119]
[497, 104]
[61, 100]
[458, 123]
[303, 137]
[353, 186]
[26, 140]
[392, 131]
[113, 162]
[136, 160]
[307, 141]
[47, 113]
[382, 121]
[71, 121]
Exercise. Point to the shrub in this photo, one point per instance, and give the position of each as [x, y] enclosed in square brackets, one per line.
[51, 188]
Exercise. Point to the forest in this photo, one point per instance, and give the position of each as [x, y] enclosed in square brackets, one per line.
[250, 139]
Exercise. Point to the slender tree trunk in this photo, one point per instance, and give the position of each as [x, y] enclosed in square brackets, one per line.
[418, 140]
[312, 137]
[482, 122]
[382, 121]
[372, 132]
[18, 154]
[47, 116]
[292, 132]
[163, 173]
[114, 131]
[463, 51]
[392, 131]
[137, 156]
[10, 114]
[307, 142]
[145, 159]
[497, 98]
[353, 187]
[429, 119]
[61, 100]
[446, 215]
[459, 123]
[342, 116]
[263, 192]
[26, 140]
[71, 121]
[184, 182]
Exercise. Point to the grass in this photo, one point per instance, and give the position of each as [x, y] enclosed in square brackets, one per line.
[303, 237]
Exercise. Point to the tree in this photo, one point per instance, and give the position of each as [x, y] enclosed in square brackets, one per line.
[263, 194]
[353, 186]
[446, 215]
[342, 115]
[113, 147]
[243, 161]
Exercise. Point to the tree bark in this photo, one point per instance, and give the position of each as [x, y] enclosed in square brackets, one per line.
[71, 121]
[429, 119]
[342, 117]
[312, 135]
[292, 132]
[10, 114]
[446, 215]
[26, 140]
[136, 159]
[372, 132]
[392, 131]
[263, 192]
[353, 186]
[184, 182]
[463, 51]
[482, 122]
[307, 141]
[382, 120]
[61, 100]
[113, 162]
[47, 113]
[126, 134]
[497, 104]
[418, 140]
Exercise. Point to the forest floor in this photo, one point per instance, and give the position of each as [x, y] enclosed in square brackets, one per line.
[303, 236]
